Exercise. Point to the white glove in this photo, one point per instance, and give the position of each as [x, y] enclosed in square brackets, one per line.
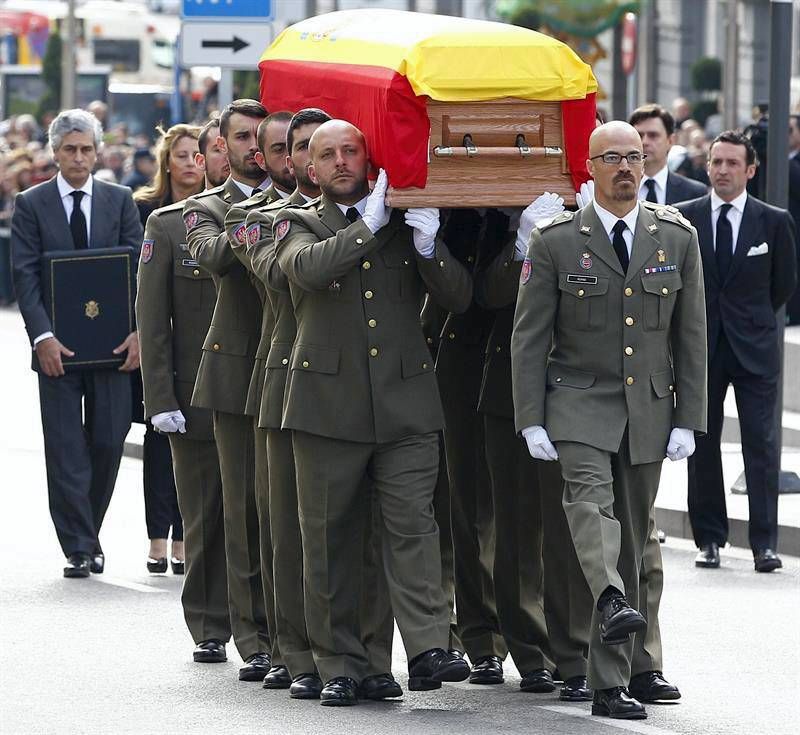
[169, 422]
[539, 444]
[585, 195]
[681, 444]
[376, 213]
[425, 222]
[541, 209]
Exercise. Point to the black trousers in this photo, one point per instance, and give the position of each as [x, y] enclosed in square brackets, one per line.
[756, 397]
[85, 419]
[160, 497]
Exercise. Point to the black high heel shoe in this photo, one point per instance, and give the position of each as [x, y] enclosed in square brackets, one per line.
[178, 565]
[157, 566]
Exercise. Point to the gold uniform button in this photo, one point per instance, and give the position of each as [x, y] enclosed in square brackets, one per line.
[498, 348]
[629, 321]
[372, 323]
[306, 363]
[368, 294]
[215, 347]
[441, 264]
[581, 292]
[424, 365]
[672, 388]
[629, 291]
[196, 272]
[374, 352]
[665, 290]
[558, 380]
[285, 361]
[629, 350]
[359, 241]
[429, 340]
[629, 380]
[451, 335]
[366, 265]
[470, 259]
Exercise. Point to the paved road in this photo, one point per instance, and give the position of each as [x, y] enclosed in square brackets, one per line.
[110, 654]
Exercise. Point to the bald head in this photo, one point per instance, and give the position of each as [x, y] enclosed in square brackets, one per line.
[338, 166]
[616, 184]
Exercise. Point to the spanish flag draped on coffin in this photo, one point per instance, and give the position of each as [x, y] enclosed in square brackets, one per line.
[477, 113]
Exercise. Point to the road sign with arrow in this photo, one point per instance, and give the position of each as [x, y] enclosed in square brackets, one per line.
[233, 45]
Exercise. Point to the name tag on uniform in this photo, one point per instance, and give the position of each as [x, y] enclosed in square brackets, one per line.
[583, 280]
[660, 269]
[190, 263]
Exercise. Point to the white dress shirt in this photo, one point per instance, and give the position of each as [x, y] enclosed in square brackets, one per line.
[65, 190]
[360, 206]
[661, 185]
[734, 215]
[248, 190]
[608, 220]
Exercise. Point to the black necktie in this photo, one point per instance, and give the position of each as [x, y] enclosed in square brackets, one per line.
[77, 222]
[620, 248]
[352, 214]
[724, 242]
[651, 191]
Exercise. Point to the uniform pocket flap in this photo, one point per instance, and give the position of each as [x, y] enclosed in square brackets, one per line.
[415, 362]
[662, 284]
[315, 359]
[663, 383]
[227, 342]
[279, 354]
[557, 375]
[582, 286]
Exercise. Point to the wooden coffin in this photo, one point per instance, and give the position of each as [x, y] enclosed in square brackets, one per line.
[497, 153]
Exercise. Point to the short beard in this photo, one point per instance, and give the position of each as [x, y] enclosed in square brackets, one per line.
[623, 195]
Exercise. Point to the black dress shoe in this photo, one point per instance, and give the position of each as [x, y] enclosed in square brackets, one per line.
[278, 678]
[211, 651]
[379, 686]
[178, 565]
[617, 704]
[428, 670]
[487, 670]
[618, 620]
[766, 560]
[708, 556]
[305, 686]
[651, 686]
[255, 668]
[575, 689]
[78, 565]
[157, 566]
[539, 681]
[98, 563]
[341, 691]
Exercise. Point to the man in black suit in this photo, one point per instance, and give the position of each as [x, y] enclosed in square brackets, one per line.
[659, 185]
[793, 307]
[749, 268]
[85, 415]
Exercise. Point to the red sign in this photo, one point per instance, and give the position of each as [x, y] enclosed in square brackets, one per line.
[628, 46]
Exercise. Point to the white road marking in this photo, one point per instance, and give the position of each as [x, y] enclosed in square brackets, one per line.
[116, 582]
[637, 726]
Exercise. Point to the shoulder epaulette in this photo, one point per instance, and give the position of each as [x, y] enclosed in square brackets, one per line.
[174, 207]
[559, 219]
[277, 204]
[668, 213]
[216, 191]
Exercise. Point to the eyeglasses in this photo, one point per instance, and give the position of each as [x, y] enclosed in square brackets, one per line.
[615, 159]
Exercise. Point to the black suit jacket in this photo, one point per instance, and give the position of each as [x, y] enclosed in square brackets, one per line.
[756, 286]
[680, 189]
[40, 224]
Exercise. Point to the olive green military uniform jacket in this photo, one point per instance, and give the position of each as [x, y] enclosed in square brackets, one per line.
[237, 238]
[595, 350]
[261, 251]
[174, 303]
[360, 369]
[229, 350]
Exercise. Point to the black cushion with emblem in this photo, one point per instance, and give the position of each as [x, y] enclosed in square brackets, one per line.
[89, 296]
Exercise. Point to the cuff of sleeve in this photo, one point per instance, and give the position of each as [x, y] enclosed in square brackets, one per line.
[43, 336]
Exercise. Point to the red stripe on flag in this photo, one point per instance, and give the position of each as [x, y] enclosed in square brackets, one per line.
[578, 122]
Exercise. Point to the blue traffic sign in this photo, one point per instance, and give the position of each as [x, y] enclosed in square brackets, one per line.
[224, 9]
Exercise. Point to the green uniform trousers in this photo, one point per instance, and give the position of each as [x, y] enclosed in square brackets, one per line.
[262, 490]
[518, 565]
[608, 503]
[332, 503]
[567, 599]
[647, 654]
[205, 585]
[377, 624]
[236, 447]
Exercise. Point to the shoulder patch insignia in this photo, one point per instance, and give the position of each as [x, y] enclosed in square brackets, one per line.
[525, 274]
[238, 234]
[254, 233]
[190, 220]
[282, 229]
[147, 250]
